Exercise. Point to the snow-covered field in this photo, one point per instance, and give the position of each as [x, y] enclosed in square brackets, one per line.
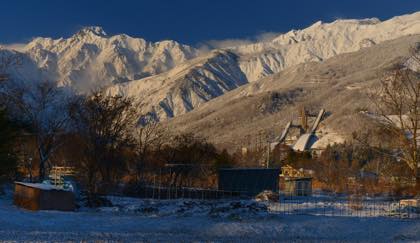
[131, 220]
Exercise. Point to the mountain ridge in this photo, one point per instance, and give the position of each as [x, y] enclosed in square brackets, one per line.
[171, 79]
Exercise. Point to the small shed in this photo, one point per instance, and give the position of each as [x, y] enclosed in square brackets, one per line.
[249, 181]
[37, 196]
[298, 186]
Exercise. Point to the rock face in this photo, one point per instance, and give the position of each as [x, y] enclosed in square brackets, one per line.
[171, 79]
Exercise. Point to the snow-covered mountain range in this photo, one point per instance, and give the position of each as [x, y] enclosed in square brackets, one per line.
[321, 41]
[90, 58]
[170, 79]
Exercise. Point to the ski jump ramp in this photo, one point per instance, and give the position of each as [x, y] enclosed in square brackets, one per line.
[285, 131]
[282, 136]
[306, 140]
[317, 121]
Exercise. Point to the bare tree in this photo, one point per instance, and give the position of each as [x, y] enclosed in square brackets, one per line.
[149, 141]
[41, 106]
[38, 105]
[104, 125]
[397, 101]
[192, 158]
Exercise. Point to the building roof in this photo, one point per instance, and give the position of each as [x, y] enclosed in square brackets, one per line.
[298, 178]
[41, 186]
[250, 169]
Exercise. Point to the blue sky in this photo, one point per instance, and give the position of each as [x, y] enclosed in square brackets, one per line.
[187, 21]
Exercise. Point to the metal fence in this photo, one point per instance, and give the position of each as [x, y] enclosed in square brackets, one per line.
[346, 207]
[316, 205]
[168, 193]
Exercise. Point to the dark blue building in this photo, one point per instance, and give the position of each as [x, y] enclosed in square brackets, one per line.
[249, 181]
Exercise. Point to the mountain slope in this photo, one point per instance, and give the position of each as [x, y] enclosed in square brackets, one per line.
[185, 87]
[339, 84]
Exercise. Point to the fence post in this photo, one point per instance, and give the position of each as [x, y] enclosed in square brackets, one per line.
[154, 186]
[408, 211]
[169, 192]
[399, 209]
[160, 182]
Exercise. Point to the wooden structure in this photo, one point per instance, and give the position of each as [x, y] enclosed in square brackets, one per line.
[298, 186]
[36, 196]
[295, 182]
[410, 203]
[289, 171]
[58, 173]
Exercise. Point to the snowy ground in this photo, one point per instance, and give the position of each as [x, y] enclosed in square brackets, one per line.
[132, 220]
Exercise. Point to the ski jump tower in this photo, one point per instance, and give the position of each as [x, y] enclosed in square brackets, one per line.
[307, 139]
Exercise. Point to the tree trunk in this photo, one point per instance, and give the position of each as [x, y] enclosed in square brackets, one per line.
[42, 161]
[417, 188]
[41, 171]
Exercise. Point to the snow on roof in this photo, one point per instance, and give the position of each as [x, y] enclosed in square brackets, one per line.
[248, 169]
[41, 186]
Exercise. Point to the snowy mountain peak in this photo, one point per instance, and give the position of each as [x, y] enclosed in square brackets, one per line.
[367, 21]
[91, 59]
[92, 30]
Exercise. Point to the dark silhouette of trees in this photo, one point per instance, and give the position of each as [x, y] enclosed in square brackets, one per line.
[104, 125]
[42, 108]
[193, 159]
[149, 141]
